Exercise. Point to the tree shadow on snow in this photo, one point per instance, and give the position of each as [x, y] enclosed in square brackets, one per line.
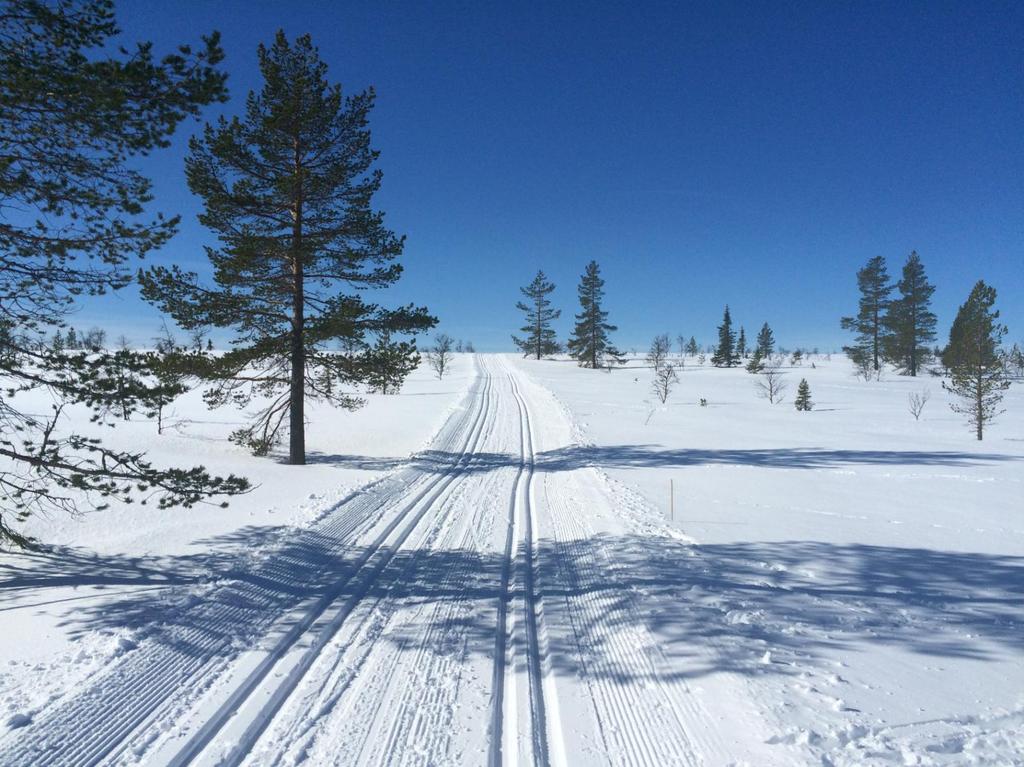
[652, 456]
[707, 609]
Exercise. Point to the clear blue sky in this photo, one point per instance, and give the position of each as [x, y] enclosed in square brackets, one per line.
[755, 154]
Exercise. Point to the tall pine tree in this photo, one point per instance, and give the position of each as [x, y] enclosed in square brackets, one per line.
[741, 344]
[975, 360]
[589, 344]
[765, 343]
[288, 190]
[725, 355]
[910, 321]
[540, 336]
[869, 324]
[75, 111]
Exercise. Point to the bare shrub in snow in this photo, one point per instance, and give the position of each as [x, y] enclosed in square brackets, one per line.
[770, 385]
[916, 402]
[664, 379]
[439, 356]
[657, 355]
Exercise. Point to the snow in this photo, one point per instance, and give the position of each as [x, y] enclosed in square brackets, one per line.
[866, 569]
[69, 611]
[483, 569]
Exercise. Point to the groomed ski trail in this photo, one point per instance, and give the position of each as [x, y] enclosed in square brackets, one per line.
[465, 609]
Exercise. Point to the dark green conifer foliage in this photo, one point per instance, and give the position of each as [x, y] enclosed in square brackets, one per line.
[910, 321]
[288, 190]
[390, 364]
[803, 396]
[540, 336]
[756, 363]
[691, 347]
[975, 360]
[74, 112]
[765, 342]
[725, 354]
[869, 324]
[741, 344]
[589, 344]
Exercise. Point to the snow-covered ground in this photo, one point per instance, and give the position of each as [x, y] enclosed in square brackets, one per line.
[863, 572]
[839, 587]
[106, 576]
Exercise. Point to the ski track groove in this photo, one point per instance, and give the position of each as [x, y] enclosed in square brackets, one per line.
[379, 615]
[425, 500]
[432, 730]
[98, 725]
[635, 730]
[548, 748]
[300, 603]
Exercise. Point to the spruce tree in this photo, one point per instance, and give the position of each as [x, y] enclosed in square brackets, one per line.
[390, 363]
[540, 336]
[589, 344]
[803, 396]
[741, 344]
[288, 190]
[975, 360]
[765, 342]
[869, 324]
[691, 347]
[725, 354]
[756, 363]
[910, 321]
[75, 112]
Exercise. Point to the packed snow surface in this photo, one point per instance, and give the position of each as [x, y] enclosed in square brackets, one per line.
[533, 563]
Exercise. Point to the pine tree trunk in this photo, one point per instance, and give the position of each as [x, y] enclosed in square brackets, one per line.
[296, 415]
[913, 342]
[874, 337]
[978, 403]
[539, 335]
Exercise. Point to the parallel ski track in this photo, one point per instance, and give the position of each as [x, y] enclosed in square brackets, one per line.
[419, 715]
[420, 731]
[545, 726]
[641, 723]
[503, 722]
[368, 569]
[146, 686]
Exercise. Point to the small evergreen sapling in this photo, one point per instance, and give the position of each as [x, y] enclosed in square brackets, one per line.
[975, 361]
[725, 354]
[590, 345]
[540, 336]
[765, 342]
[870, 322]
[756, 363]
[803, 396]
